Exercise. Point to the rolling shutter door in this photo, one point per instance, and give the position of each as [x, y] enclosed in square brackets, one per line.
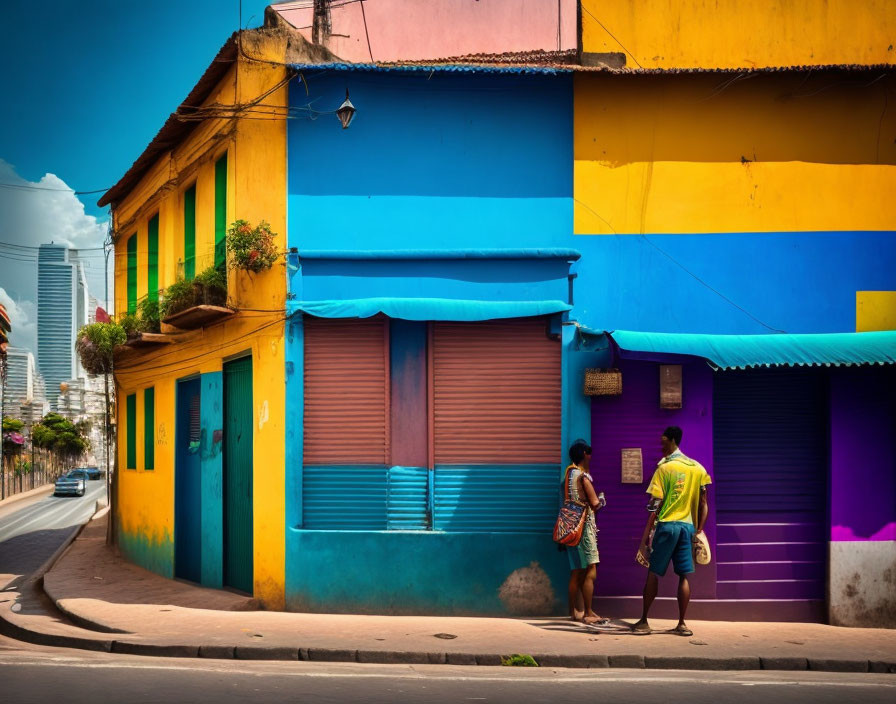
[496, 393]
[770, 436]
[346, 392]
[496, 398]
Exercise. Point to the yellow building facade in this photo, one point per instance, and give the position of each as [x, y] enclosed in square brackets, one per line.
[254, 151]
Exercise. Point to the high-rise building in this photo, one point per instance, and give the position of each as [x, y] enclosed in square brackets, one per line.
[61, 311]
[20, 374]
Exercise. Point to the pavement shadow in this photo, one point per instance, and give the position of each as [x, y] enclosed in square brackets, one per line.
[612, 626]
[23, 554]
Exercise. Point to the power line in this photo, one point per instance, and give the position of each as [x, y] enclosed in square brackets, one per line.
[28, 187]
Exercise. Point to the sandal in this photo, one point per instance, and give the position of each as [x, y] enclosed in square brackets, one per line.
[642, 629]
[682, 631]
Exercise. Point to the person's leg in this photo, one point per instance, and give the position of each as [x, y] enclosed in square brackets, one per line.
[575, 582]
[684, 597]
[683, 562]
[588, 594]
[660, 556]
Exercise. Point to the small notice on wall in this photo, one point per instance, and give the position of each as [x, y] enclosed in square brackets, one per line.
[670, 386]
[632, 466]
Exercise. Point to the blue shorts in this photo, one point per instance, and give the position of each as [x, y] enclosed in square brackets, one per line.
[673, 541]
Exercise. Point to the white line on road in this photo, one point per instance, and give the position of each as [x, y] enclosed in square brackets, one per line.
[698, 677]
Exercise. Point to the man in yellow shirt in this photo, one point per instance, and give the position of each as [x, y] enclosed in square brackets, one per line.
[679, 508]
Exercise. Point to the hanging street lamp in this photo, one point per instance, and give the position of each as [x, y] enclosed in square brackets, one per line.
[346, 112]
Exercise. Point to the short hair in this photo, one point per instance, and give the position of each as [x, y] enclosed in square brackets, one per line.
[578, 450]
[673, 432]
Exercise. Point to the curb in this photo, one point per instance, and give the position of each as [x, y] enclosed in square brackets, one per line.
[36, 491]
[394, 657]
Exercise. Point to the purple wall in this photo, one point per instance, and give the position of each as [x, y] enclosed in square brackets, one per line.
[635, 419]
[863, 454]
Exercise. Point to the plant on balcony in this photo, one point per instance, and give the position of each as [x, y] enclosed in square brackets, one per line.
[252, 248]
[130, 324]
[96, 344]
[209, 287]
[148, 319]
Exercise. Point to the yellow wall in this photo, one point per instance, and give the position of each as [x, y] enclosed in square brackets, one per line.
[875, 310]
[703, 153]
[256, 189]
[741, 33]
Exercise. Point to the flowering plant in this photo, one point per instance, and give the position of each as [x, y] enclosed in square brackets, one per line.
[251, 248]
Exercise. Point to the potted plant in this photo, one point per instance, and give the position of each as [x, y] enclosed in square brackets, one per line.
[96, 344]
[252, 248]
[178, 297]
[148, 316]
[210, 287]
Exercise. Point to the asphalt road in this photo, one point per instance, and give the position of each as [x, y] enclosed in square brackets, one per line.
[31, 530]
[52, 676]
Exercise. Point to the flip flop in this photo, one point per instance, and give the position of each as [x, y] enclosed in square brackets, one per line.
[682, 631]
[642, 630]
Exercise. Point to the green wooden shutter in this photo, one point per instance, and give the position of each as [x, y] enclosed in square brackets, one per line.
[190, 232]
[149, 424]
[131, 429]
[220, 211]
[152, 251]
[132, 273]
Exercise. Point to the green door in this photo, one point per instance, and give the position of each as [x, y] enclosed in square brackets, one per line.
[238, 474]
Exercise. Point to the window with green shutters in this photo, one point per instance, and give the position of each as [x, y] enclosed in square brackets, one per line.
[220, 211]
[132, 273]
[131, 429]
[190, 232]
[149, 423]
[152, 253]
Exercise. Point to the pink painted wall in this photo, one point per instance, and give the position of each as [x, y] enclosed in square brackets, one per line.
[432, 29]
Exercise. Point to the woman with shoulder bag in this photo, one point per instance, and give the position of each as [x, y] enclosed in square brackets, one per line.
[583, 556]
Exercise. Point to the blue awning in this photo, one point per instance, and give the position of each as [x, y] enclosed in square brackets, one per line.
[743, 351]
[427, 308]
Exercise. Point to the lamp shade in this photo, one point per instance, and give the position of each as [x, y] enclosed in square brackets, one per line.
[346, 112]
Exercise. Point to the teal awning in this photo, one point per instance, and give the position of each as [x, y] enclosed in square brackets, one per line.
[427, 308]
[743, 351]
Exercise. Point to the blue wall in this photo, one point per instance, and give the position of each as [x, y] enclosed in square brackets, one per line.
[485, 161]
[431, 161]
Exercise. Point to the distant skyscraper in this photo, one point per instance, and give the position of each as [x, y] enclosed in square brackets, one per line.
[61, 311]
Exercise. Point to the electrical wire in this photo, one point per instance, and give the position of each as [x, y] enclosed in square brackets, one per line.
[611, 34]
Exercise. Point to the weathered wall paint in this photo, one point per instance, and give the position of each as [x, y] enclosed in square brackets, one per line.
[441, 28]
[875, 310]
[413, 572]
[704, 154]
[741, 33]
[862, 587]
[256, 190]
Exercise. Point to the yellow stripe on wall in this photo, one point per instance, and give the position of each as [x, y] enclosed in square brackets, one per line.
[704, 153]
[875, 310]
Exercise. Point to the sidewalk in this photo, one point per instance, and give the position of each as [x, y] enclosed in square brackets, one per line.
[122, 608]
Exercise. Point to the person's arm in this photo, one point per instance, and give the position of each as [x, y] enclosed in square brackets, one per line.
[590, 494]
[702, 510]
[653, 507]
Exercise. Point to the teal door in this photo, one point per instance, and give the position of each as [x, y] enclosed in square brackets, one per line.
[238, 474]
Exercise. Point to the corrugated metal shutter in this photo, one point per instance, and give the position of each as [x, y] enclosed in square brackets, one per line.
[518, 499]
[770, 446]
[346, 392]
[408, 498]
[344, 498]
[496, 393]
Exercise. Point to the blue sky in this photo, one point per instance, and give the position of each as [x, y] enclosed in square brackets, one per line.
[86, 85]
[90, 83]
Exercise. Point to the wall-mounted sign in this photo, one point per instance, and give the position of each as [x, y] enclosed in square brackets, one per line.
[632, 465]
[670, 386]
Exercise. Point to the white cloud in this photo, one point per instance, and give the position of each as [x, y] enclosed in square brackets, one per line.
[23, 317]
[32, 217]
